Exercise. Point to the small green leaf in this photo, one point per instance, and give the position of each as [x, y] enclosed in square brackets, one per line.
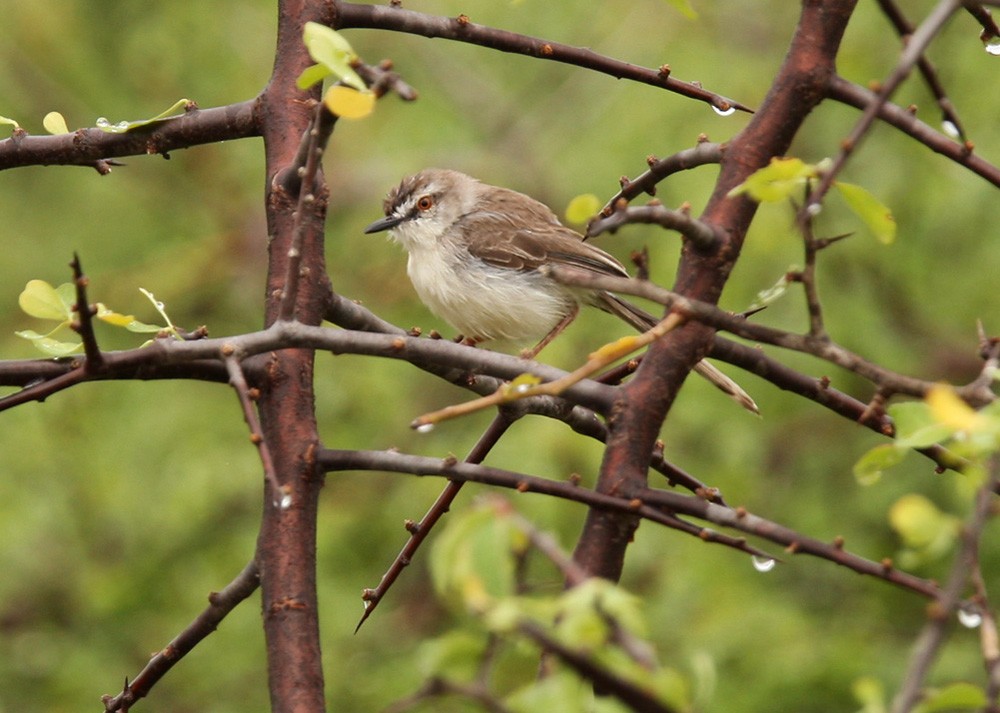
[581, 208]
[777, 181]
[54, 123]
[49, 346]
[869, 468]
[176, 110]
[312, 75]
[127, 321]
[685, 8]
[42, 300]
[918, 521]
[916, 426]
[869, 692]
[772, 293]
[4, 121]
[329, 48]
[454, 655]
[866, 206]
[953, 697]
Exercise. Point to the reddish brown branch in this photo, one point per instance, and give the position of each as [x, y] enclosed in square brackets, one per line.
[644, 402]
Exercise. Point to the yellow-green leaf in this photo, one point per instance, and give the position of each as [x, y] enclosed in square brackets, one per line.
[777, 181]
[54, 123]
[175, 110]
[581, 208]
[329, 48]
[866, 206]
[918, 521]
[311, 75]
[9, 122]
[685, 8]
[869, 468]
[42, 300]
[51, 347]
[960, 696]
[948, 409]
[348, 102]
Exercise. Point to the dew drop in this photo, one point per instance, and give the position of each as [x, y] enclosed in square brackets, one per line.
[763, 564]
[814, 209]
[969, 618]
[728, 111]
[522, 388]
[950, 129]
[425, 428]
[102, 123]
[121, 125]
[286, 502]
[992, 46]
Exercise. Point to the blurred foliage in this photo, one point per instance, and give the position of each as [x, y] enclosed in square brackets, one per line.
[123, 505]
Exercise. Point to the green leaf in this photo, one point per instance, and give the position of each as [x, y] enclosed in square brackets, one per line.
[685, 8]
[312, 75]
[176, 110]
[916, 426]
[127, 321]
[777, 181]
[869, 468]
[42, 300]
[54, 123]
[581, 208]
[772, 293]
[454, 655]
[4, 121]
[869, 692]
[329, 48]
[953, 697]
[558, 692]
[472, 561]
[920, 524]
[49, 346]
[866, 206]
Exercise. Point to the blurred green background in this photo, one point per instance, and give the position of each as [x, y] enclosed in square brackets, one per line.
[123, 505]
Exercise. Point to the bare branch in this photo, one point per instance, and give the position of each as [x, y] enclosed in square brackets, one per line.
[352, 15]
[219, 606]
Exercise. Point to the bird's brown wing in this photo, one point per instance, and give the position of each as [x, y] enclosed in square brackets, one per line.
[494, 239]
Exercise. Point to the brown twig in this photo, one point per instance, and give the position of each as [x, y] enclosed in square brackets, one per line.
[219, 605]
[703, 153]
[462, 29]
[941, 613]
[280, 495]
[913, 51]
[85, 328]
[701, 235]
[420, 530]
[904, 28]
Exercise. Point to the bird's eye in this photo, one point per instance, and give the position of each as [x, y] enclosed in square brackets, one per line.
[425, 203]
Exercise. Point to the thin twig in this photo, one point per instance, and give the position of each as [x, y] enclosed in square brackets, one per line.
[237, 380]
[85, 328]
[941, 613]
[462, 29]
[904, 28]
[914, 49]
[703, 236]
[420, 530]
[219, 606]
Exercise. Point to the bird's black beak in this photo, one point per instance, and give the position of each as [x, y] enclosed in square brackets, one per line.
[390, 221]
